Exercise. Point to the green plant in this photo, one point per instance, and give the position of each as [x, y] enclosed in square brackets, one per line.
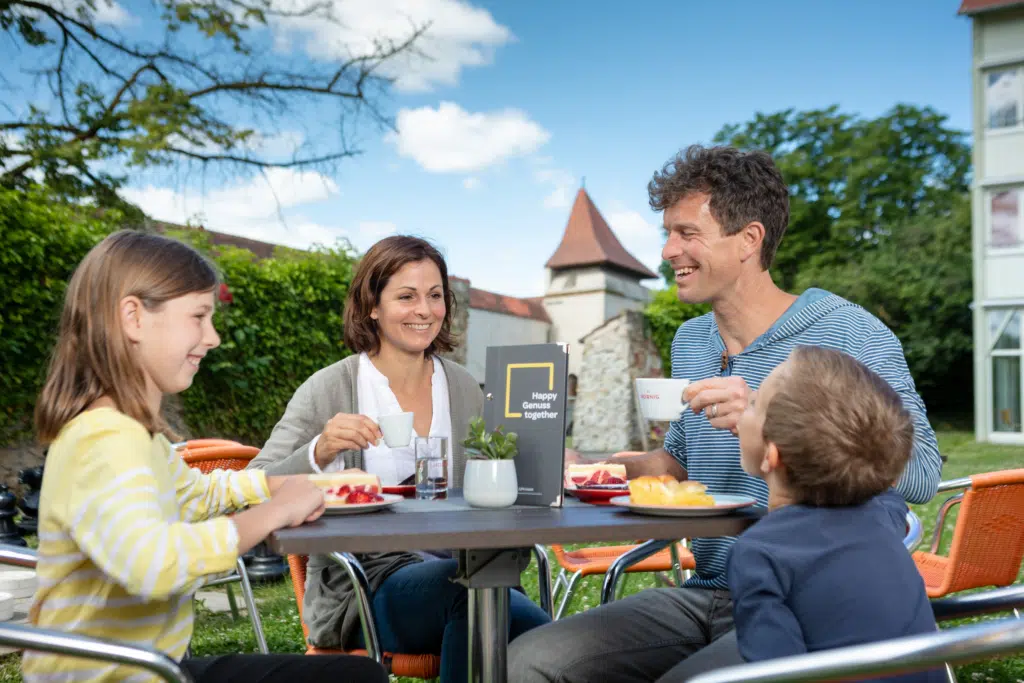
[484, 445]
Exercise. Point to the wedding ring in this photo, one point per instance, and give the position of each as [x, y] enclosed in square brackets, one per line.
[714, 410]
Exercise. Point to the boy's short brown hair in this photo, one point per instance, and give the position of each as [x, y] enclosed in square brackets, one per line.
[376, 268]
[842, 432]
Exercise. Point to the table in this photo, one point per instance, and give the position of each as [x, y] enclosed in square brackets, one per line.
[492, 548]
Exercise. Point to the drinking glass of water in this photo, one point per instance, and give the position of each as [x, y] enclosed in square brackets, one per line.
[431, 467]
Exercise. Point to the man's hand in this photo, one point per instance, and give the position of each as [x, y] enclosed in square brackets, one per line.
[721, 399]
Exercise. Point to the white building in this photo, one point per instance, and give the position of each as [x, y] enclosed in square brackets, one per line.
[591, 278]
[998, 215]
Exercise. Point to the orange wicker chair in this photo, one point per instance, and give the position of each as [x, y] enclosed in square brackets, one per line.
[426, 667]
[988, 539]
[578, 564]
[220, 454]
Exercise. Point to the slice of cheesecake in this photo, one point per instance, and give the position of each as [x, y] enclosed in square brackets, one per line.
[348, 488]
[589, 475]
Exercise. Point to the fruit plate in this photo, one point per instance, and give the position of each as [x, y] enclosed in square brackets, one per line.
[597, 495]
[405, 490]
[724, 504]
[359, 508]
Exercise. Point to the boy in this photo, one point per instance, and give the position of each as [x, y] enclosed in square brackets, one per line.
[826, 568]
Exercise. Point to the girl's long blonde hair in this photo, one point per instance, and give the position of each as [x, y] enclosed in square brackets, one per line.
[92, 357]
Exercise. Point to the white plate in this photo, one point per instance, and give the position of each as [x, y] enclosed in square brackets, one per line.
[359, 508]
[724, 504]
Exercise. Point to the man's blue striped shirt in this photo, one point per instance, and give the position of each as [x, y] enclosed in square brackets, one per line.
[818, 318]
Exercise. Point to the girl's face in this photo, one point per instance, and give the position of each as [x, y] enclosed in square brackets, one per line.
[411, 307]
[171, 341]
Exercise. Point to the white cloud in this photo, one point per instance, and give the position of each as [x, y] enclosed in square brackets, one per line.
[641, 237]
[254, 209]
[562, 186]
[451, 139]
[458, 35]
[471, 183]
[111, 14]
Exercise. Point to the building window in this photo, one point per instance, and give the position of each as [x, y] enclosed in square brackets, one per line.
[1006, 218]
[1004, 98]
[1005, 343]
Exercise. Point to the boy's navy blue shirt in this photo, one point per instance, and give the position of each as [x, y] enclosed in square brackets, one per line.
[807, 578]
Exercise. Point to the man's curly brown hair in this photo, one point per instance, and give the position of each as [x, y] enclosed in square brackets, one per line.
[744, 186]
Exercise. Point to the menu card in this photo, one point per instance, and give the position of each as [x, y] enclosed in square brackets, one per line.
[526, 393]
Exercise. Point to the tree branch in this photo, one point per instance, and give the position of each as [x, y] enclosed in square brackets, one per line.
[258, 163]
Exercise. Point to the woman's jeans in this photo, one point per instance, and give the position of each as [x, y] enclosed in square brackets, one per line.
[419, 610]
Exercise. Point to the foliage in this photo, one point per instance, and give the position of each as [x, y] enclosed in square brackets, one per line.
[664, 315]
[43, 241]
[210, 92]
[918, 282]
[852, 180]
[496, 445]
[284, 322]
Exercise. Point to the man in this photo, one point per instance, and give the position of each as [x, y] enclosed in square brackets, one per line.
[725, 212]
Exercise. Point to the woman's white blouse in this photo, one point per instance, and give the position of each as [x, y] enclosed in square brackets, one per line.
[375, 398]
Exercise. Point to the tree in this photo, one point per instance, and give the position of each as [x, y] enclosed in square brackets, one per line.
[852, 179]
[208, 93]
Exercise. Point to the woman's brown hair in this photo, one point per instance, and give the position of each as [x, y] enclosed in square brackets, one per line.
[92, 357]
[377, 267]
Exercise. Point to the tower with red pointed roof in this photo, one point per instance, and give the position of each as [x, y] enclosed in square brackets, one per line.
[591, 278]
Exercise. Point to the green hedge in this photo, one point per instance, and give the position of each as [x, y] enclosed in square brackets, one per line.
[283, 325]
[664, 315]
[41, 242]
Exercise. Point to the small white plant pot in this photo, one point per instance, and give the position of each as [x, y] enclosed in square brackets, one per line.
[490, 483]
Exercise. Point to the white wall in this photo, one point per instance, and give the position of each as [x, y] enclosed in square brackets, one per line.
[573, 316]
[487, 328]
[998, 45]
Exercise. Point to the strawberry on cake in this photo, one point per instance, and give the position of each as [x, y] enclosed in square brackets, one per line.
[348, 488]
[604, 474]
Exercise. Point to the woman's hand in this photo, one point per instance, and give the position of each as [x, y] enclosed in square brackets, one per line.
[345, 432]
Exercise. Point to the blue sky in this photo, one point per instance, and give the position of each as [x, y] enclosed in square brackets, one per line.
[524, 98]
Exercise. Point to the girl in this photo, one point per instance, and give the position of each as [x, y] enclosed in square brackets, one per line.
[128, 532]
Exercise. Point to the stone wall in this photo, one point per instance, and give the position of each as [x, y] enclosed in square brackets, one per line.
[614, 355]
[460, 321]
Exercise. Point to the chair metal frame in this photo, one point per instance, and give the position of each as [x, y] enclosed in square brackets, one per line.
[36, 639]
[367, 622]
[901, 655]
[206, 450]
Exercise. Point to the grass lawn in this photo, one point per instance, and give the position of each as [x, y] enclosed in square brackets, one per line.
[219, 634]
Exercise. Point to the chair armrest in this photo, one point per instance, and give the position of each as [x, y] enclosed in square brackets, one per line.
[18, 556]
[543, 578]
[977, 604]
[915, 532]
[900, 655]
[954, 484]
[362, 588]
[58, 642]
[940, 521]
[624, 562]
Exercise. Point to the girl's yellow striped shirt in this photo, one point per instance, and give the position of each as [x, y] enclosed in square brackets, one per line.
[127, 534]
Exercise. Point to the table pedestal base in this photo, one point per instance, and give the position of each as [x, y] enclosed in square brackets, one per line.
[489, 575]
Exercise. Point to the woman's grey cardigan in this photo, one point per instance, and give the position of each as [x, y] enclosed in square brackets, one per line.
[329, 607]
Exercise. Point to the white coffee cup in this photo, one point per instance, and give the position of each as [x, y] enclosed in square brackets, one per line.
[661, 399]
[397, 429]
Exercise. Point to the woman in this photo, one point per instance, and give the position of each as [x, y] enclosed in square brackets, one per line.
[397, 319]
